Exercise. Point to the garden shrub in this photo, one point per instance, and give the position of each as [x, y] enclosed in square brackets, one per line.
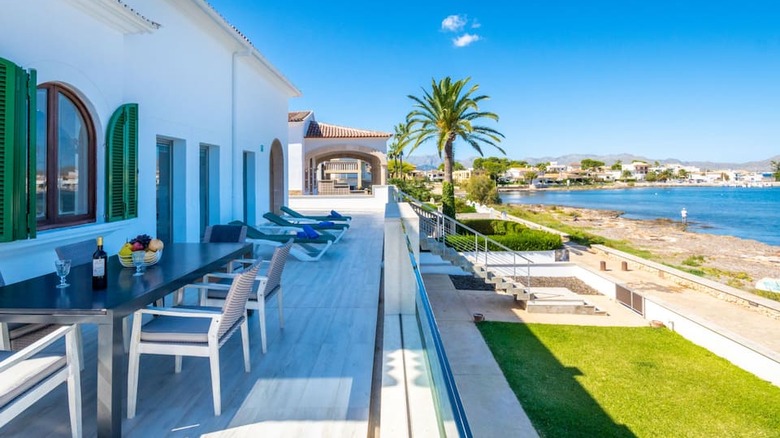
[416, 188]
[492, 226]
[513, 235]
[462, 207]
[482, 188]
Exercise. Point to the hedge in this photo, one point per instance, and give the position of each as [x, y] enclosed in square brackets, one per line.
[513, 235]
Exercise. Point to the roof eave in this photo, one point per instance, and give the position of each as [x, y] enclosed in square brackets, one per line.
[292, 90]
[118, 15]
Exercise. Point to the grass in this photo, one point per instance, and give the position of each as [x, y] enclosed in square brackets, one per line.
[623, 382]
[694, 260]
[767, 294]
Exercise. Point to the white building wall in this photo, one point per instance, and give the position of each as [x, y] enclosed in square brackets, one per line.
[261, 118]
[296, 154]
[181, 75]
[295, 167]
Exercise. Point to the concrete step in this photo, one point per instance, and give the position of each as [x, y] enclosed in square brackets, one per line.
[522, 297]
[454, 259]
[495, 280]
[478, 267]
[509, 284]
[562, 306]
[466, 266]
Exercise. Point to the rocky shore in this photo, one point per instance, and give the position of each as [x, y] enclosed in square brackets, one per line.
[730, 260]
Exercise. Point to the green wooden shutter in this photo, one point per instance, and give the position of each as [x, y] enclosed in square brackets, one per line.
[122, 164]
[17, 152]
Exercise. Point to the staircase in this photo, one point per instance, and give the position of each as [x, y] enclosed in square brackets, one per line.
[472, 251]
[498, 265]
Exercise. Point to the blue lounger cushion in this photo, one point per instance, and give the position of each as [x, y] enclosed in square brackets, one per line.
[309, 232]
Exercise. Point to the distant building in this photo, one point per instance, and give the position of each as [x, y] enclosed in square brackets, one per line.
[638, 170]
[459, 176]
[554, 167]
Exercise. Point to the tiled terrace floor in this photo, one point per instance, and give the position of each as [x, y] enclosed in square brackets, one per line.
[315, 379]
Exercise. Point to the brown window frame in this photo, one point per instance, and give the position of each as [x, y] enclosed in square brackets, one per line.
[52, 219]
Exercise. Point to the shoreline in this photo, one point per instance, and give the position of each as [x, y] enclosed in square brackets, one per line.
[730, 260]
[635, 185]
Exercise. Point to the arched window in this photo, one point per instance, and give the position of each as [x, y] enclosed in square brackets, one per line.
[65, 177]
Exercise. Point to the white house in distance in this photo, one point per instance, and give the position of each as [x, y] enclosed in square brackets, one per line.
[331, 159]
[154, 117]
[637, 169]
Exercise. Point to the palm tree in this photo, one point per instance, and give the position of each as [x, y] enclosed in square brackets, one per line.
[401, 139]
[776, 170]
[444, 114]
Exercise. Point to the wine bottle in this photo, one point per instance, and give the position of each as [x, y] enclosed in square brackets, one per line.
[99, 267]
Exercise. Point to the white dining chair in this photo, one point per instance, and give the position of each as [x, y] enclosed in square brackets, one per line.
[191, 331]
[214, 293]
[17, 335]
[28, 375]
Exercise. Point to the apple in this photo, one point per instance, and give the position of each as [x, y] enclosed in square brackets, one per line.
[138, 246]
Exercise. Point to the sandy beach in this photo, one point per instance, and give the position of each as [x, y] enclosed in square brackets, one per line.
[730, 260]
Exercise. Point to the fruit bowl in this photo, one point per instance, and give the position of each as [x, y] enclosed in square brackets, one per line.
[151, 258]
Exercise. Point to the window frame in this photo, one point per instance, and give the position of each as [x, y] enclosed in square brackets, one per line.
[52, 219]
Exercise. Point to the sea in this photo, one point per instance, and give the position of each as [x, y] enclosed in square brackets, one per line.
[745, 212]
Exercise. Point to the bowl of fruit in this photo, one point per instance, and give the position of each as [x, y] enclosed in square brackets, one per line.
[143, 242]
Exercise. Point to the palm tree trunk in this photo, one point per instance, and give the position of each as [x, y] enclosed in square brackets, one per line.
[448, 161]
[447, 188]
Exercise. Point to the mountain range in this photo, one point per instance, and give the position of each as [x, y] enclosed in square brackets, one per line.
[427, 162]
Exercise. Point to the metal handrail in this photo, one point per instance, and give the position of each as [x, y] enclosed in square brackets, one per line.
[439, 226]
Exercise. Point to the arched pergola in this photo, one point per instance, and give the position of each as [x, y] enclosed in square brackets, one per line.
[334, 159]
[327, 160]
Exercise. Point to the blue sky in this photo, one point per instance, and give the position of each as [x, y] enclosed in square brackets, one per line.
[692, 80]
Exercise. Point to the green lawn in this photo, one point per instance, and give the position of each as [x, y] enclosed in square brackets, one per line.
[621, 382]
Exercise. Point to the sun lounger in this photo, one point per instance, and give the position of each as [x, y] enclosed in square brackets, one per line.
[304, 249]
[335, 229]
[331, 217]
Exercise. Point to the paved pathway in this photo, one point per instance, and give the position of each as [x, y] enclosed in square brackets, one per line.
[751, 325]
[491, 407]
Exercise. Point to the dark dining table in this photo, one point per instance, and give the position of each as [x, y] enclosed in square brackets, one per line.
[38, 300]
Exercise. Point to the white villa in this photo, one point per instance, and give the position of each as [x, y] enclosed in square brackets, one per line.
[637, 169]
[149, 137]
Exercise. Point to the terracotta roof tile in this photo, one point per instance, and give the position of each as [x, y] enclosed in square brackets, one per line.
[297, 116]
[324, 130]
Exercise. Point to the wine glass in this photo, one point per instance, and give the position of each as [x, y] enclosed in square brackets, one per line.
[63, 269]
[138, 262]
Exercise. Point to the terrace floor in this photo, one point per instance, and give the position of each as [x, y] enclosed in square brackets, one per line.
[315, 379]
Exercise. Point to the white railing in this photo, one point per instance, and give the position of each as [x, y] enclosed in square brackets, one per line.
[341, 166]
[479, 249]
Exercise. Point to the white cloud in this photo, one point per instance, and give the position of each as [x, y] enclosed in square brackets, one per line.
[465, 39]
[475, 24]
[453, 23]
